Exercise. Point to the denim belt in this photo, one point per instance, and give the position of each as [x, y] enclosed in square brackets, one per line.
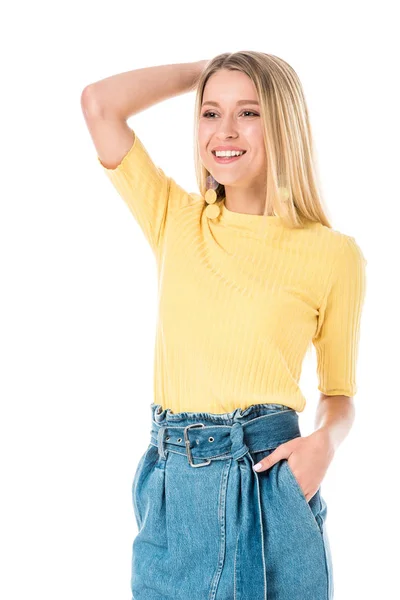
[218, 442]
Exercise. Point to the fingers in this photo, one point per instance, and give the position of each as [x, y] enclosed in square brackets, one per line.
[281, 452]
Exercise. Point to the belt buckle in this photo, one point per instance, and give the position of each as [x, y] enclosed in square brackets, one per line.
[187, 443]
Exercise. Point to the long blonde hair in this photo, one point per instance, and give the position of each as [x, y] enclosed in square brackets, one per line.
[293, 189]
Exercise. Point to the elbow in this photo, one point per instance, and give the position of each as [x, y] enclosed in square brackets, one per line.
[89, 102]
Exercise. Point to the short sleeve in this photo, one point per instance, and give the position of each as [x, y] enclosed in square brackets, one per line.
[149, 193]
[337, 338]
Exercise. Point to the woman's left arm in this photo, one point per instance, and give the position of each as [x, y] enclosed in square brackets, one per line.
[334, 418]
[336, 341]
[312, 454]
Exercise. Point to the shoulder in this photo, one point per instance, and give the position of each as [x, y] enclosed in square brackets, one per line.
[180, 198]
[341, 246]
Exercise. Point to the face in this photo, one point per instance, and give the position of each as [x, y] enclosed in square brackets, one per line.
[230, 116]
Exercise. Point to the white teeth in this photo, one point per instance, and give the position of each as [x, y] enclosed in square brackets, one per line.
[222, 153]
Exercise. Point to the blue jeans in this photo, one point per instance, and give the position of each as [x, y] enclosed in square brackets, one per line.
[212, 528]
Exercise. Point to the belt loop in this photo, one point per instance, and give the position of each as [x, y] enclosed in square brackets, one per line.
[238, 447]
[160, 442]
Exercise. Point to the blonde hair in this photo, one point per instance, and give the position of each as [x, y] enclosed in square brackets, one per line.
[293, 189]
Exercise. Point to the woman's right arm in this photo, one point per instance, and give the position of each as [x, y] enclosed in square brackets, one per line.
[125, 94]
[107, 104]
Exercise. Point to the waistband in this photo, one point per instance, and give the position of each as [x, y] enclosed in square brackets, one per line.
[204, 437]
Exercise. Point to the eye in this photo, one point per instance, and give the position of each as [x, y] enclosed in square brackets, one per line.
[210, 112]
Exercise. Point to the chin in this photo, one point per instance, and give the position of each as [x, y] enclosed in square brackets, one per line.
[231, 181]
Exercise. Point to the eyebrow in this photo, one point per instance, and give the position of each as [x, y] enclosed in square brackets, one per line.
[239, 102]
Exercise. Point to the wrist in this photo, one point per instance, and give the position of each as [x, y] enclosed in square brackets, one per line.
[198, 67]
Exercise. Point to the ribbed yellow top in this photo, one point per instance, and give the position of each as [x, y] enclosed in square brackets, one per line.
[241, 297]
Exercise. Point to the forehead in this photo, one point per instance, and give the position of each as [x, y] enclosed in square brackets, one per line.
[229, 86]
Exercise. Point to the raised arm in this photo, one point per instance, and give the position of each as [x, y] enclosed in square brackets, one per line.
[150, 194]
[108, 103]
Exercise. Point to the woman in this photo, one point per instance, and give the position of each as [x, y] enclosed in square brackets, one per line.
[251, 274]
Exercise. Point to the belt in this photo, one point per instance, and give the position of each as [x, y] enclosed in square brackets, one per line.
[215, 442]
[204, 443]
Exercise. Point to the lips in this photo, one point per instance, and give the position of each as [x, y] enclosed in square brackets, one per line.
[228, 149]
[222, 160]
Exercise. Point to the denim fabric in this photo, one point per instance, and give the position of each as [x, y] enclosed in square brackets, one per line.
[210, 527]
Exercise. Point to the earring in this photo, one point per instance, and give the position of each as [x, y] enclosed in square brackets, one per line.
[284, 192]
[212, 210]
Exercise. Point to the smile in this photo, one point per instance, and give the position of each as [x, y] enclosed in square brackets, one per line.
[227, 159]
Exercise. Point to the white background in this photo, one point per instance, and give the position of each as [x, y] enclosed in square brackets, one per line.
[78, 281]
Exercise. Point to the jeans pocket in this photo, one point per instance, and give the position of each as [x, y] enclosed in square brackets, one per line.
[315, 508]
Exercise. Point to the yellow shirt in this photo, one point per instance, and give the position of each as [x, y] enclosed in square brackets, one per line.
[239, 306]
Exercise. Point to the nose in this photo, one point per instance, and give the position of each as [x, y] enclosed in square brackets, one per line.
[226, 128]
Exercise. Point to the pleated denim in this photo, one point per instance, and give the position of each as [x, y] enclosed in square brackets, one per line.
[210, 527]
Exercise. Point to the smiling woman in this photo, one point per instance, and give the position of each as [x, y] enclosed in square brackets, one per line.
[251, 95]
[232, 134]
[250, 274]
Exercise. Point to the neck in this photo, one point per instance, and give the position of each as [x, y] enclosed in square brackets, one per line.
[248, 201]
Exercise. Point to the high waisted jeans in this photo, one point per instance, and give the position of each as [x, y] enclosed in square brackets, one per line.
[212, 528]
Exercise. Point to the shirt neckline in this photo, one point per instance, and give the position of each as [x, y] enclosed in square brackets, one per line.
[246, 220]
